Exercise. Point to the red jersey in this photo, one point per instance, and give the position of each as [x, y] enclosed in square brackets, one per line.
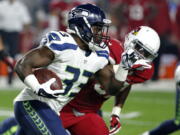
[90, 98]
[63, 8]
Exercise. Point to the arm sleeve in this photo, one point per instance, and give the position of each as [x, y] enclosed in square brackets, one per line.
[140, 76]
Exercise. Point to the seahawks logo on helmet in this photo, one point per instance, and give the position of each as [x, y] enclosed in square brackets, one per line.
[78, 13]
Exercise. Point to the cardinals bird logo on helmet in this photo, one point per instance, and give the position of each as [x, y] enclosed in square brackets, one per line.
[144, 41]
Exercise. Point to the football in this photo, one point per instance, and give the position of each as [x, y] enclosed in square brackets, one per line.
[43, 75]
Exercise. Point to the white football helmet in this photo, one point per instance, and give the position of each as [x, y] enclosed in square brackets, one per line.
[144, 41]
[177, 74]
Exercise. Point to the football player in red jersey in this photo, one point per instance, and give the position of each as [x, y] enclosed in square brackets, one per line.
[81, 113]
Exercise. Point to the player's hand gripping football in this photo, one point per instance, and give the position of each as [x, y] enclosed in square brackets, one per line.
[45, 90]
[115, 124]
[130, 60]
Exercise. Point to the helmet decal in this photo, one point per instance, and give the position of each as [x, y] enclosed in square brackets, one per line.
[135, 32]
[144, 41]
[78, 13]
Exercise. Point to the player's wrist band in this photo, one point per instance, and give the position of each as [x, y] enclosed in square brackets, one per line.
[121, 74]
[32, 82]
[116, 111]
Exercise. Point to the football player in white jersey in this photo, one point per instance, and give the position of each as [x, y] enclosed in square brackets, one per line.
[69, 55]
[74, 56]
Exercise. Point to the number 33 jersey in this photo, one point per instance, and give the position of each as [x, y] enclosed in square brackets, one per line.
[73, 65]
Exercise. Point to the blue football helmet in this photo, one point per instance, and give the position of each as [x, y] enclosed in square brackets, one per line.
[90, 24]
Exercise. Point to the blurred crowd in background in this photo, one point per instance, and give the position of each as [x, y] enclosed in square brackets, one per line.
[24, 22]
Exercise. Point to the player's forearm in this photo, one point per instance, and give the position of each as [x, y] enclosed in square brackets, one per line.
[121, 97]
[36, 58]
[23, 69]
[25, 65]
[115, 86]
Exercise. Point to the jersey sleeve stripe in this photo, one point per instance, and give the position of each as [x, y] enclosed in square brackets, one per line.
[103, 54]
[61, 47]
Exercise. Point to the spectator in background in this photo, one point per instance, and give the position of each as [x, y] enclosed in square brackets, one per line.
[118, 29]
[162, 23]
[178, 26]
[14, 18]
[58, 13]
[129, 14]
[33, 7]
[138, 12]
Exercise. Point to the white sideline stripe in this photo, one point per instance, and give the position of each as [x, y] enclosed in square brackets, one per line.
[6, 113]
[124, 116]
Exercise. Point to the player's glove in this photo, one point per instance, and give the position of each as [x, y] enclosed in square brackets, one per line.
[130, 60]
[44, 89]
[141, 64]
[115, 125]
[129, 57]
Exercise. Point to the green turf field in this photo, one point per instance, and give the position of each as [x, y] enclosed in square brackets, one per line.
[142, 111]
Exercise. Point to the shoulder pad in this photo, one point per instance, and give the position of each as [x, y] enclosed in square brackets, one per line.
[58, 41]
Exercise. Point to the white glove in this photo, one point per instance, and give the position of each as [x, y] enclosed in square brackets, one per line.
[141, 64]
[124, 66]
[129, 57]
[44, 89]
[130, 60]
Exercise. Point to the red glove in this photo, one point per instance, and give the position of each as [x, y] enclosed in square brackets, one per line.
[115, 125]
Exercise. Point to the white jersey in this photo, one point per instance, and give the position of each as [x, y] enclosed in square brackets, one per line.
[73, 65]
